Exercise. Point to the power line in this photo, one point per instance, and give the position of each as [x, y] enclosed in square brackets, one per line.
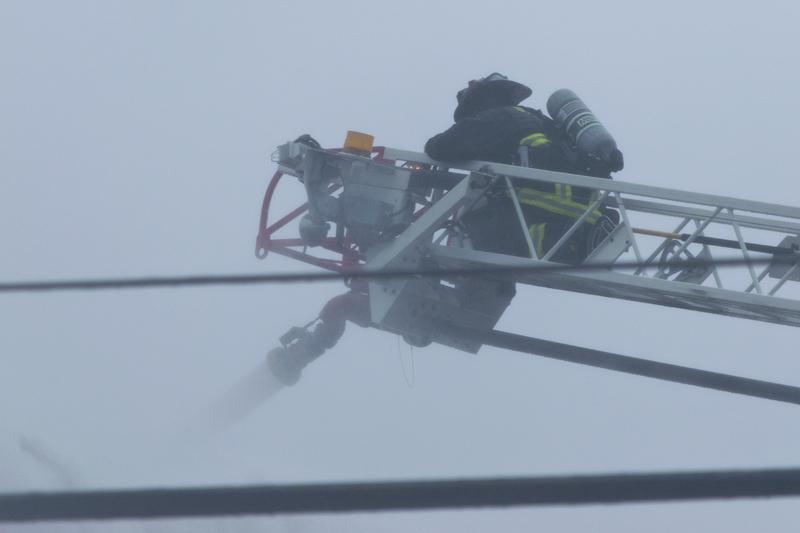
[641, 367]
[311, 277]
[399, 495]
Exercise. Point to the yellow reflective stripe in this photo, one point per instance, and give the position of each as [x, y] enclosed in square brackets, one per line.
[537, 236]
[534, 140]
[564, 191]
[520, 108]
[557, 209]
[552, 207]
[534, 136]
[554, 203]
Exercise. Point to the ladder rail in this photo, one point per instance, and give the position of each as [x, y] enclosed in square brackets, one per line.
[623, 187]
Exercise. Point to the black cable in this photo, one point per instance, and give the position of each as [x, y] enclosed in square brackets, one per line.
[292, 277]
[399, 495]
[641, 367]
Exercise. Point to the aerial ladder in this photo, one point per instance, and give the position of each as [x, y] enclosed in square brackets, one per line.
[383, 210]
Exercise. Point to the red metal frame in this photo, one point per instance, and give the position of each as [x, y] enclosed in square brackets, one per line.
[288, 247]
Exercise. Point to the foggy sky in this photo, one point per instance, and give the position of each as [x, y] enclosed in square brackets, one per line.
[135, 139]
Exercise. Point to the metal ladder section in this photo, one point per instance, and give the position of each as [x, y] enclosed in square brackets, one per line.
[658, 227]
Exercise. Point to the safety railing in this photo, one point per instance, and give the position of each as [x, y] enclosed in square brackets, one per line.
[675, 236]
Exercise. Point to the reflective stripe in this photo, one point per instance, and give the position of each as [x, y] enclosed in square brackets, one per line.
[564, 191]
[557, 203]
[537, 236]
[534, 140]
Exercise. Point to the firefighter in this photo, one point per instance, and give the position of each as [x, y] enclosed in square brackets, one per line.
[490, 125]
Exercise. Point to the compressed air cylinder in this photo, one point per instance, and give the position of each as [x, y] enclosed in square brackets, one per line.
[582, 127]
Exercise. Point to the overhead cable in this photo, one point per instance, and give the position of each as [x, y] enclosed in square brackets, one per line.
[309, 277]
[398, 495]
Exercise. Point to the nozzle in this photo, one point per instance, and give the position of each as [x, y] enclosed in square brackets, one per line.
[284, 367]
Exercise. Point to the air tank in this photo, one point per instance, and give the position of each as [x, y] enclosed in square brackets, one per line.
[583, 128]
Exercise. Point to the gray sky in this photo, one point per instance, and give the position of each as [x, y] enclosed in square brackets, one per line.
[134, 139]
